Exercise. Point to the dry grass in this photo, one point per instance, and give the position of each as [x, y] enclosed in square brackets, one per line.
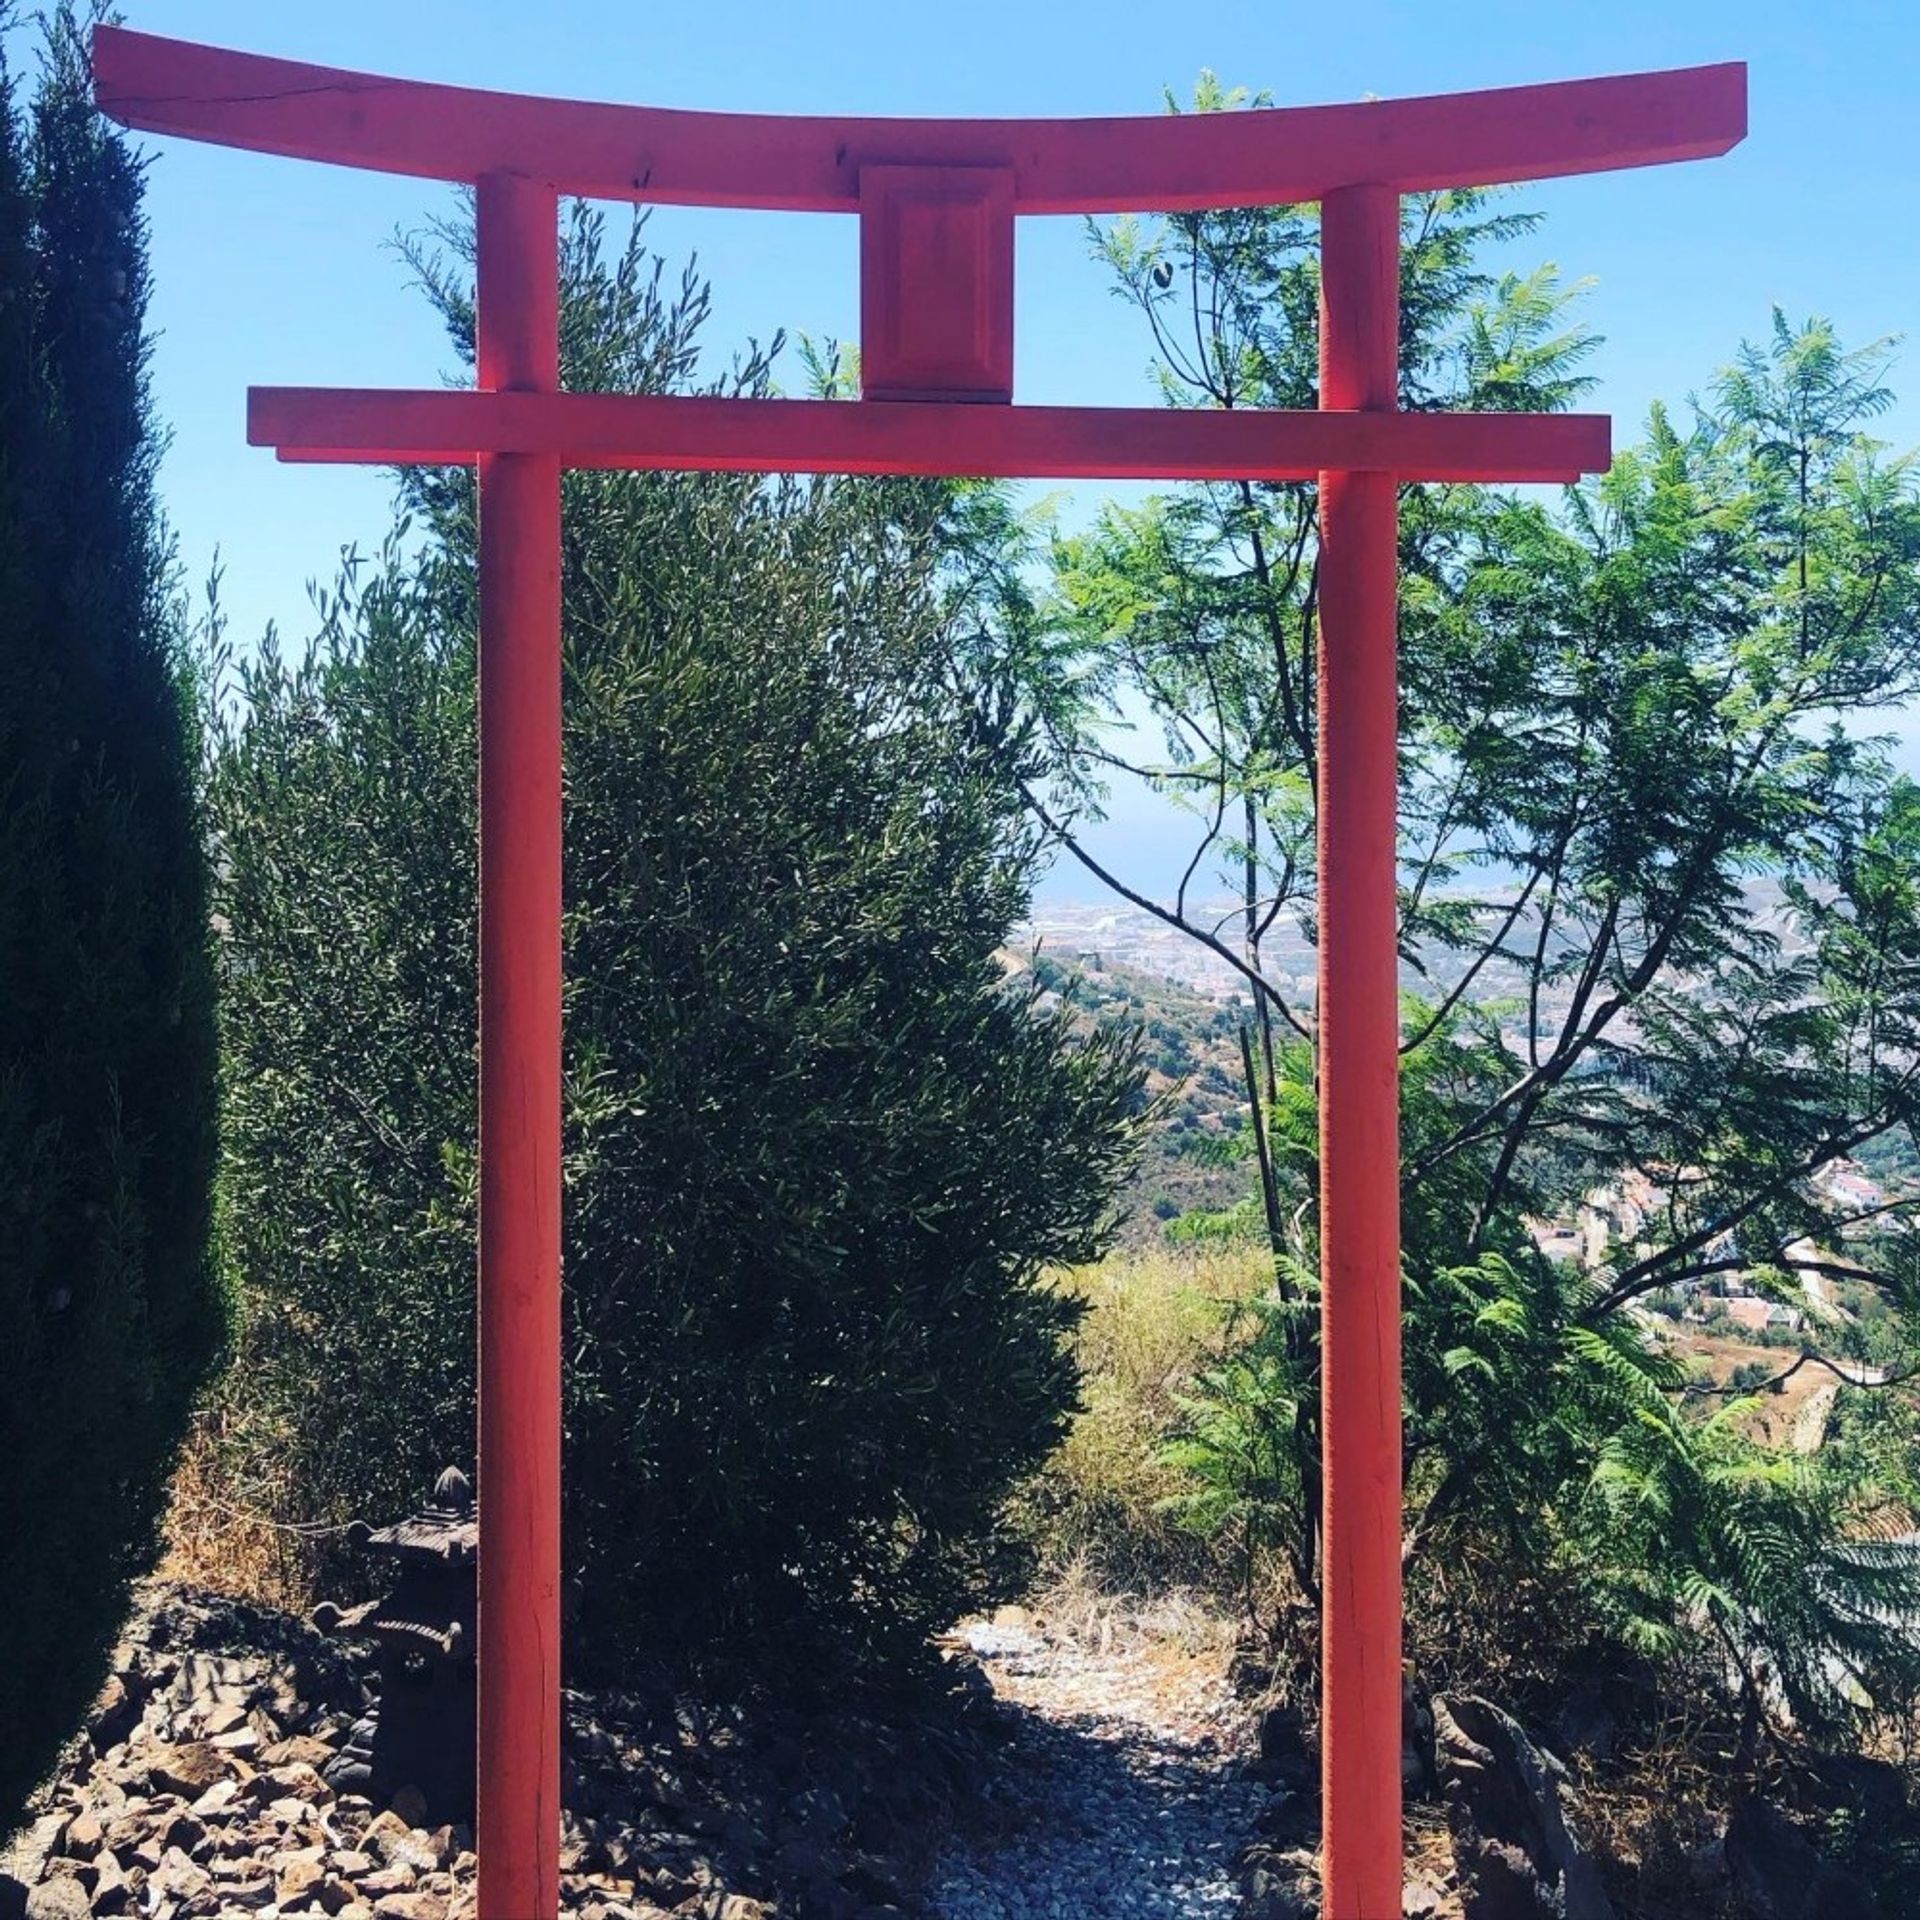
[1098, 1511]
[1429, 1850]
[220, 1534]
[1775, 1419]
[1074, 1606]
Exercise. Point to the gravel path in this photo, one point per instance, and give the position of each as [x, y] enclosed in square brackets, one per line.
[1124, 1797]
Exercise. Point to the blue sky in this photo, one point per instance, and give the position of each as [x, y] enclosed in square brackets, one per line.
[272, 271]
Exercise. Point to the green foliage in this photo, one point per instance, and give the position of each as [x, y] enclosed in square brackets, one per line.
[819, 1148]
[1108, 1508]
[1792, 1562]
[1658, 904]
[109, 1312]
[1244, 1438]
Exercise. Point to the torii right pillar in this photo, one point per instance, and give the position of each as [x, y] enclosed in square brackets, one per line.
[1359, 1072]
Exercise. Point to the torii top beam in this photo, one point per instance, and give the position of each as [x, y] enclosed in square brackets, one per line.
[1165, 163]
[937, 201]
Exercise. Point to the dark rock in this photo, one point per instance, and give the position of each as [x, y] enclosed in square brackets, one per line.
[818, 1811]
[181, 1877]
[248, 1894]
[227, 1718]
[212, 1797]
[205, 1682]
[128, 1827]
[1516, 1858]
[801, 1859]
[1279, 1731]
[214, 1803]
[1269, 1895]
[1586, 1722]
[184, 1833]
[818, 1900]
[1706, 1865]
[1873, 1790]
[1778, 1874]
[116, 1712]
[872, 1880]
[400, 1845]
[298, 1749]
[740, 1834]
[1416, 1739]
[113, 1891]
[411, 1906]
[84, 1834]
[1281, 1885]
[410, 1804]
[1289, 1818]
[106, 1795]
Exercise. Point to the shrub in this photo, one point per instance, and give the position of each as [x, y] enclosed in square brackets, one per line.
[818, 1150]
[109, 1313]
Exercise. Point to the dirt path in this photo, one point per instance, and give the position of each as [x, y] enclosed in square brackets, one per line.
[1124, 1796]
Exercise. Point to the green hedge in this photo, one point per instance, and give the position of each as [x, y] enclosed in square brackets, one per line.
[109, 1310]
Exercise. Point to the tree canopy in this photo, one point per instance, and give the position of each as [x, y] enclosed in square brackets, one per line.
[1658, 920]
[818, 1149]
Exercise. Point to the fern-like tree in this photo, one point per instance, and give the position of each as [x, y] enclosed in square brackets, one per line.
[1659, 924]
[109, 1311]
[818, 1153]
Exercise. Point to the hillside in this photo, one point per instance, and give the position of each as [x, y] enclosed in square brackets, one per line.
[1193, 1159]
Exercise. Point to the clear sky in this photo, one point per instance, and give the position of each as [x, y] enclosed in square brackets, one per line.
[276, 271]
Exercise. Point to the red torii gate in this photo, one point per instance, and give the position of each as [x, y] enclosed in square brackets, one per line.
[936, 201]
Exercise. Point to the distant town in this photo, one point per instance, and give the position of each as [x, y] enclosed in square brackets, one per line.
[1117, 934]
[1607, 1224]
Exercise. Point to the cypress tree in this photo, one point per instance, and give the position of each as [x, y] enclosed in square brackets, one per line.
[110, 1311]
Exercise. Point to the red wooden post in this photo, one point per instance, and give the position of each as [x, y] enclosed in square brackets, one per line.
[519, 1651]
[1359, 1075]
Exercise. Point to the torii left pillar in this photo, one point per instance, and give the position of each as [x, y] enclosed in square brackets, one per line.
[518, 350]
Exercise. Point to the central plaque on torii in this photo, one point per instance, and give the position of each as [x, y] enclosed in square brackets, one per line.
[936, 201]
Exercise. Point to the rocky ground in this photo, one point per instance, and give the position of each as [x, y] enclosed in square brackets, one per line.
[1063, 1779]
[1065, 1775]
[1126, 1792]
[196, 1790]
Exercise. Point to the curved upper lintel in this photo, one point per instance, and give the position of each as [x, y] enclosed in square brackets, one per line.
[1164, 163]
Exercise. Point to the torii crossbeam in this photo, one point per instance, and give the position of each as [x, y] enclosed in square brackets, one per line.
[936, 201]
